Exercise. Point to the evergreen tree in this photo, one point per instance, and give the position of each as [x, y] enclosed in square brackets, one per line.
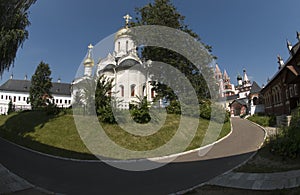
[13, 33]
[10, 107]
[39, 93]
[163, 13]
[103, 99]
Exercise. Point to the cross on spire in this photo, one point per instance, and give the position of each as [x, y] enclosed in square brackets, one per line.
[90, 47]
[127, 18]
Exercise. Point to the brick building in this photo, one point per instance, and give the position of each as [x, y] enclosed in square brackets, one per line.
[282, 93]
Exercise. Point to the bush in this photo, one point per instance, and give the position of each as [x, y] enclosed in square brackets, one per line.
[140, 111]
[206, 108]
[243, 116]
[261, 120]
[287, 143]
[52, 109]
[10, 107]
[174, 107]
[272, 121]
[106, 115]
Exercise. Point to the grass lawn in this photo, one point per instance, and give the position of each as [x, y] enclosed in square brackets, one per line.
[57, 135]
[264, 121]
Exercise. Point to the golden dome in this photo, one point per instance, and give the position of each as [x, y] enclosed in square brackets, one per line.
[122, 31]
[88, 62]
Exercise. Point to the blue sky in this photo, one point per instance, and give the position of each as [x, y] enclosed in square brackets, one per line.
[243, 34]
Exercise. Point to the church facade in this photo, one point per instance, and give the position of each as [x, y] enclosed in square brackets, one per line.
[131, 79]
[241, 99]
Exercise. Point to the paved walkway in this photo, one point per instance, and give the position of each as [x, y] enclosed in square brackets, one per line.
[225, 153]
[258, 181]
[11, 183]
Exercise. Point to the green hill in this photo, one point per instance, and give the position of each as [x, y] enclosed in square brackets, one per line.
[57, 135]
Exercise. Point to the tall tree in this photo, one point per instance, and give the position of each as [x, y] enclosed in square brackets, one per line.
[103, 99]
[163, 12]
[39, 93]
[13, 33]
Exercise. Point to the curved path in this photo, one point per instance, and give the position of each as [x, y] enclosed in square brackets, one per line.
[70, 177]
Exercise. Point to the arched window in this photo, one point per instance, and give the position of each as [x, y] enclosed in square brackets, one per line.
[152, 93]
[132, 89]
[126, 46]
[122, 90]
[255, 101]
[119, 46]
[144, 90]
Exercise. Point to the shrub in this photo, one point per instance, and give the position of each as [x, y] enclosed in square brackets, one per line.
[287, 143]
[106, 115]
[140, 111]
[10, 107]
[51, 109]
[174, 107]
[220, 116]
[205, 110]
[272, 121]
[265, 121]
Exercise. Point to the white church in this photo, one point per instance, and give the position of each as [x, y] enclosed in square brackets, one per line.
[128, 71]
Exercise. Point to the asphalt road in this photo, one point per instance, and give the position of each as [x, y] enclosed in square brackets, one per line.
[69, 177]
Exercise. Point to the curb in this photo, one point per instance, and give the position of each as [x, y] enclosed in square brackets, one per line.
[122, 161]
[205, 183]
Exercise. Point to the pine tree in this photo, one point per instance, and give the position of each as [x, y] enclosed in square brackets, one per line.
[10, 107]
[103, 99]
[13, 33]
[41, 84]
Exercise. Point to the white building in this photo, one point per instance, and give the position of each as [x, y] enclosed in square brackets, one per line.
[18, 92]
[244, 98]
[129, 73]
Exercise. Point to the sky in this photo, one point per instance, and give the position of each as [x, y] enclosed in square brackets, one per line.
[243, 34]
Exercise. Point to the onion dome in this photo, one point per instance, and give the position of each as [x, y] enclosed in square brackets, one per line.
[239, 77]
[89, 62]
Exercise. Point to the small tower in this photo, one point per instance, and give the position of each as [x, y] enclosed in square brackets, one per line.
[123, 41]
[280, 62]
[289, 45]
[89, 62]
[298, 36]
[226, 77]
[245, 78]
[239, 80]
[218, 73]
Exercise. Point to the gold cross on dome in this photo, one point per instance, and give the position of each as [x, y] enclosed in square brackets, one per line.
[90, 46]
[127, 19]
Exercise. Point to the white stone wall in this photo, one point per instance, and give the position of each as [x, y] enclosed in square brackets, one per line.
[20, 99]
[123, 45]
[126, 79]
[62, 101]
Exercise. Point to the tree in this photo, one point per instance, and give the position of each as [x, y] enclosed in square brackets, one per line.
[103, 99]
[139, 110]
[39, 93]
[10, 107]
[13, 33]
[162, 12]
